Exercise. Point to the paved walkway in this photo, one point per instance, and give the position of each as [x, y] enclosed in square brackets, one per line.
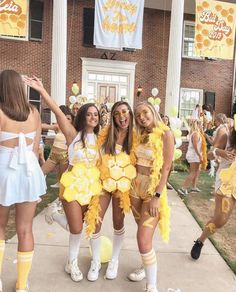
[176, 268]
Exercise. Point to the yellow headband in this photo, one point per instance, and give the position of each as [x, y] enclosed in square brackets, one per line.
[234, 122]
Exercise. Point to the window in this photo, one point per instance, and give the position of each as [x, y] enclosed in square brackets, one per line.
[189, 98]
[188, 40]
[36, 20]
[88, 21]
[34, 98]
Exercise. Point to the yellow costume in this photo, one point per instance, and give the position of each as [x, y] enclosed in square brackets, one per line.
[117, 172]
[83, 181]
[149, 153]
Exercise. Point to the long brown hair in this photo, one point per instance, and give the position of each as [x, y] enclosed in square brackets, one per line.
[80, 121]
[110, 144]
[13, 101]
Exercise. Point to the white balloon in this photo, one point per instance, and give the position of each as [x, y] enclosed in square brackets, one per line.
[157, 108]
[178, 142]
[178, 123]
[72, 99]
[155, 92]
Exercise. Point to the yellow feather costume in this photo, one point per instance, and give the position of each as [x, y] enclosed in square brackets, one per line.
[156, 143]
[117, 172]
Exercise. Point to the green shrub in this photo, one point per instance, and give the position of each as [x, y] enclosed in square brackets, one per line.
[180, 165]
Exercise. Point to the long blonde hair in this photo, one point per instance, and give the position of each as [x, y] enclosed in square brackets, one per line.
[194, 126]
[156, 117]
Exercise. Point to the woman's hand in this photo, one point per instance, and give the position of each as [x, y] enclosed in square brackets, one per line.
[33, 82]
[200, 158]
[154, 206]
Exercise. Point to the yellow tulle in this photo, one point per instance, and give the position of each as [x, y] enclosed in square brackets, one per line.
[204, 152]
[81, 183]
[92, 217]
[156, 142]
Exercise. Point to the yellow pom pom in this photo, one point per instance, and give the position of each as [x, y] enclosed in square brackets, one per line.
[67, 179]
[105, 250]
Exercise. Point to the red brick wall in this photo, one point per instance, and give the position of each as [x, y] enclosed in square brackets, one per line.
[30, 57]
[151, 69]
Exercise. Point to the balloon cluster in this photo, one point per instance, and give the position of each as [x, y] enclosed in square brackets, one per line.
[175, 124]
[155, 101]
[76, 97]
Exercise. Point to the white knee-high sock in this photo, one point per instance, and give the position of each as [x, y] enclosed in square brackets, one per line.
[150, 266]
[95, 243]
[74, 246]
[61, 220]
[118, 238]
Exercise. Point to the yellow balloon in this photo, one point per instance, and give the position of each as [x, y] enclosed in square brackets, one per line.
[177, 133]
[173, 112]
[105, 249]
[177, 154]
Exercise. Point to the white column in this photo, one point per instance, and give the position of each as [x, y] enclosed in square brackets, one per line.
[59, 52]
[174, 56]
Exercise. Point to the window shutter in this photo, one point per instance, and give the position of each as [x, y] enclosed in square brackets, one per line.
[36, 20]
[88, 23]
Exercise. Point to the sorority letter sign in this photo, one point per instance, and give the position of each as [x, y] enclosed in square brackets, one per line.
[14, 19]
[118, 23]
[215, 29]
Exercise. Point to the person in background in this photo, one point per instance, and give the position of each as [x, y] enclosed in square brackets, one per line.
[22, 181]
[75, 108]
[166, 121]
[196, 155]
[225, 194]
[196, 112]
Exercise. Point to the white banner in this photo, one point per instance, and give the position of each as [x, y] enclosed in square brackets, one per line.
[118, 23]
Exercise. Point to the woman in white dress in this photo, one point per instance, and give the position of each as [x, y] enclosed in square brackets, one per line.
[21, 178]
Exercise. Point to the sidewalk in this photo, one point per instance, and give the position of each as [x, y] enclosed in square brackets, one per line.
[176, 269]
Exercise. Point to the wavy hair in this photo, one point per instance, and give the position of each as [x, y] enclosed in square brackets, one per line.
[80, 121]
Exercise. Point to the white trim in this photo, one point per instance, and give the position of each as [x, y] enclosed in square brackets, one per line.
[111, 66]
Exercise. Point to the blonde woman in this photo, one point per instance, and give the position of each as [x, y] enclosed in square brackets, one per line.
[154, 154]
[196, 155]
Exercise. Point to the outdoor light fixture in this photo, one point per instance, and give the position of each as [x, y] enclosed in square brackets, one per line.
[140, 89]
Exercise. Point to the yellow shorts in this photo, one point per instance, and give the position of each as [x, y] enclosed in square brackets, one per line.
[140, 186]
[58, 156]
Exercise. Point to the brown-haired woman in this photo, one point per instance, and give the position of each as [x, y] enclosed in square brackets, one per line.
[115, 143]
[83, 154]
[22, 180]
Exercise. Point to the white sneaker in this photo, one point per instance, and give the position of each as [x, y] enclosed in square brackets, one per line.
[93, 271]
[137, 275]
[112, 269]
[195, 190]
[150, 288]
[55, 186]
[183, 192]
[74, 271]
[52, 208]
[0, 285]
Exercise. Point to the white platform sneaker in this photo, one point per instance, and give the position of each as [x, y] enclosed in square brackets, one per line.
[137, 275]
[73, 270]
[112, 269]
[93, 272]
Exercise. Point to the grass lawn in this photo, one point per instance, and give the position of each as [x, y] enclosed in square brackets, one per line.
[202, 209]
[46, 199]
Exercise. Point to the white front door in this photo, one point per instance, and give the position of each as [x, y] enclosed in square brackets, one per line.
[109, 79]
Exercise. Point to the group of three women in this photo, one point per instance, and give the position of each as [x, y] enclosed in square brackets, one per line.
[108, 158]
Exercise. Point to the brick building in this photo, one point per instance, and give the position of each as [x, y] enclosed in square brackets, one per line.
[103, 73]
